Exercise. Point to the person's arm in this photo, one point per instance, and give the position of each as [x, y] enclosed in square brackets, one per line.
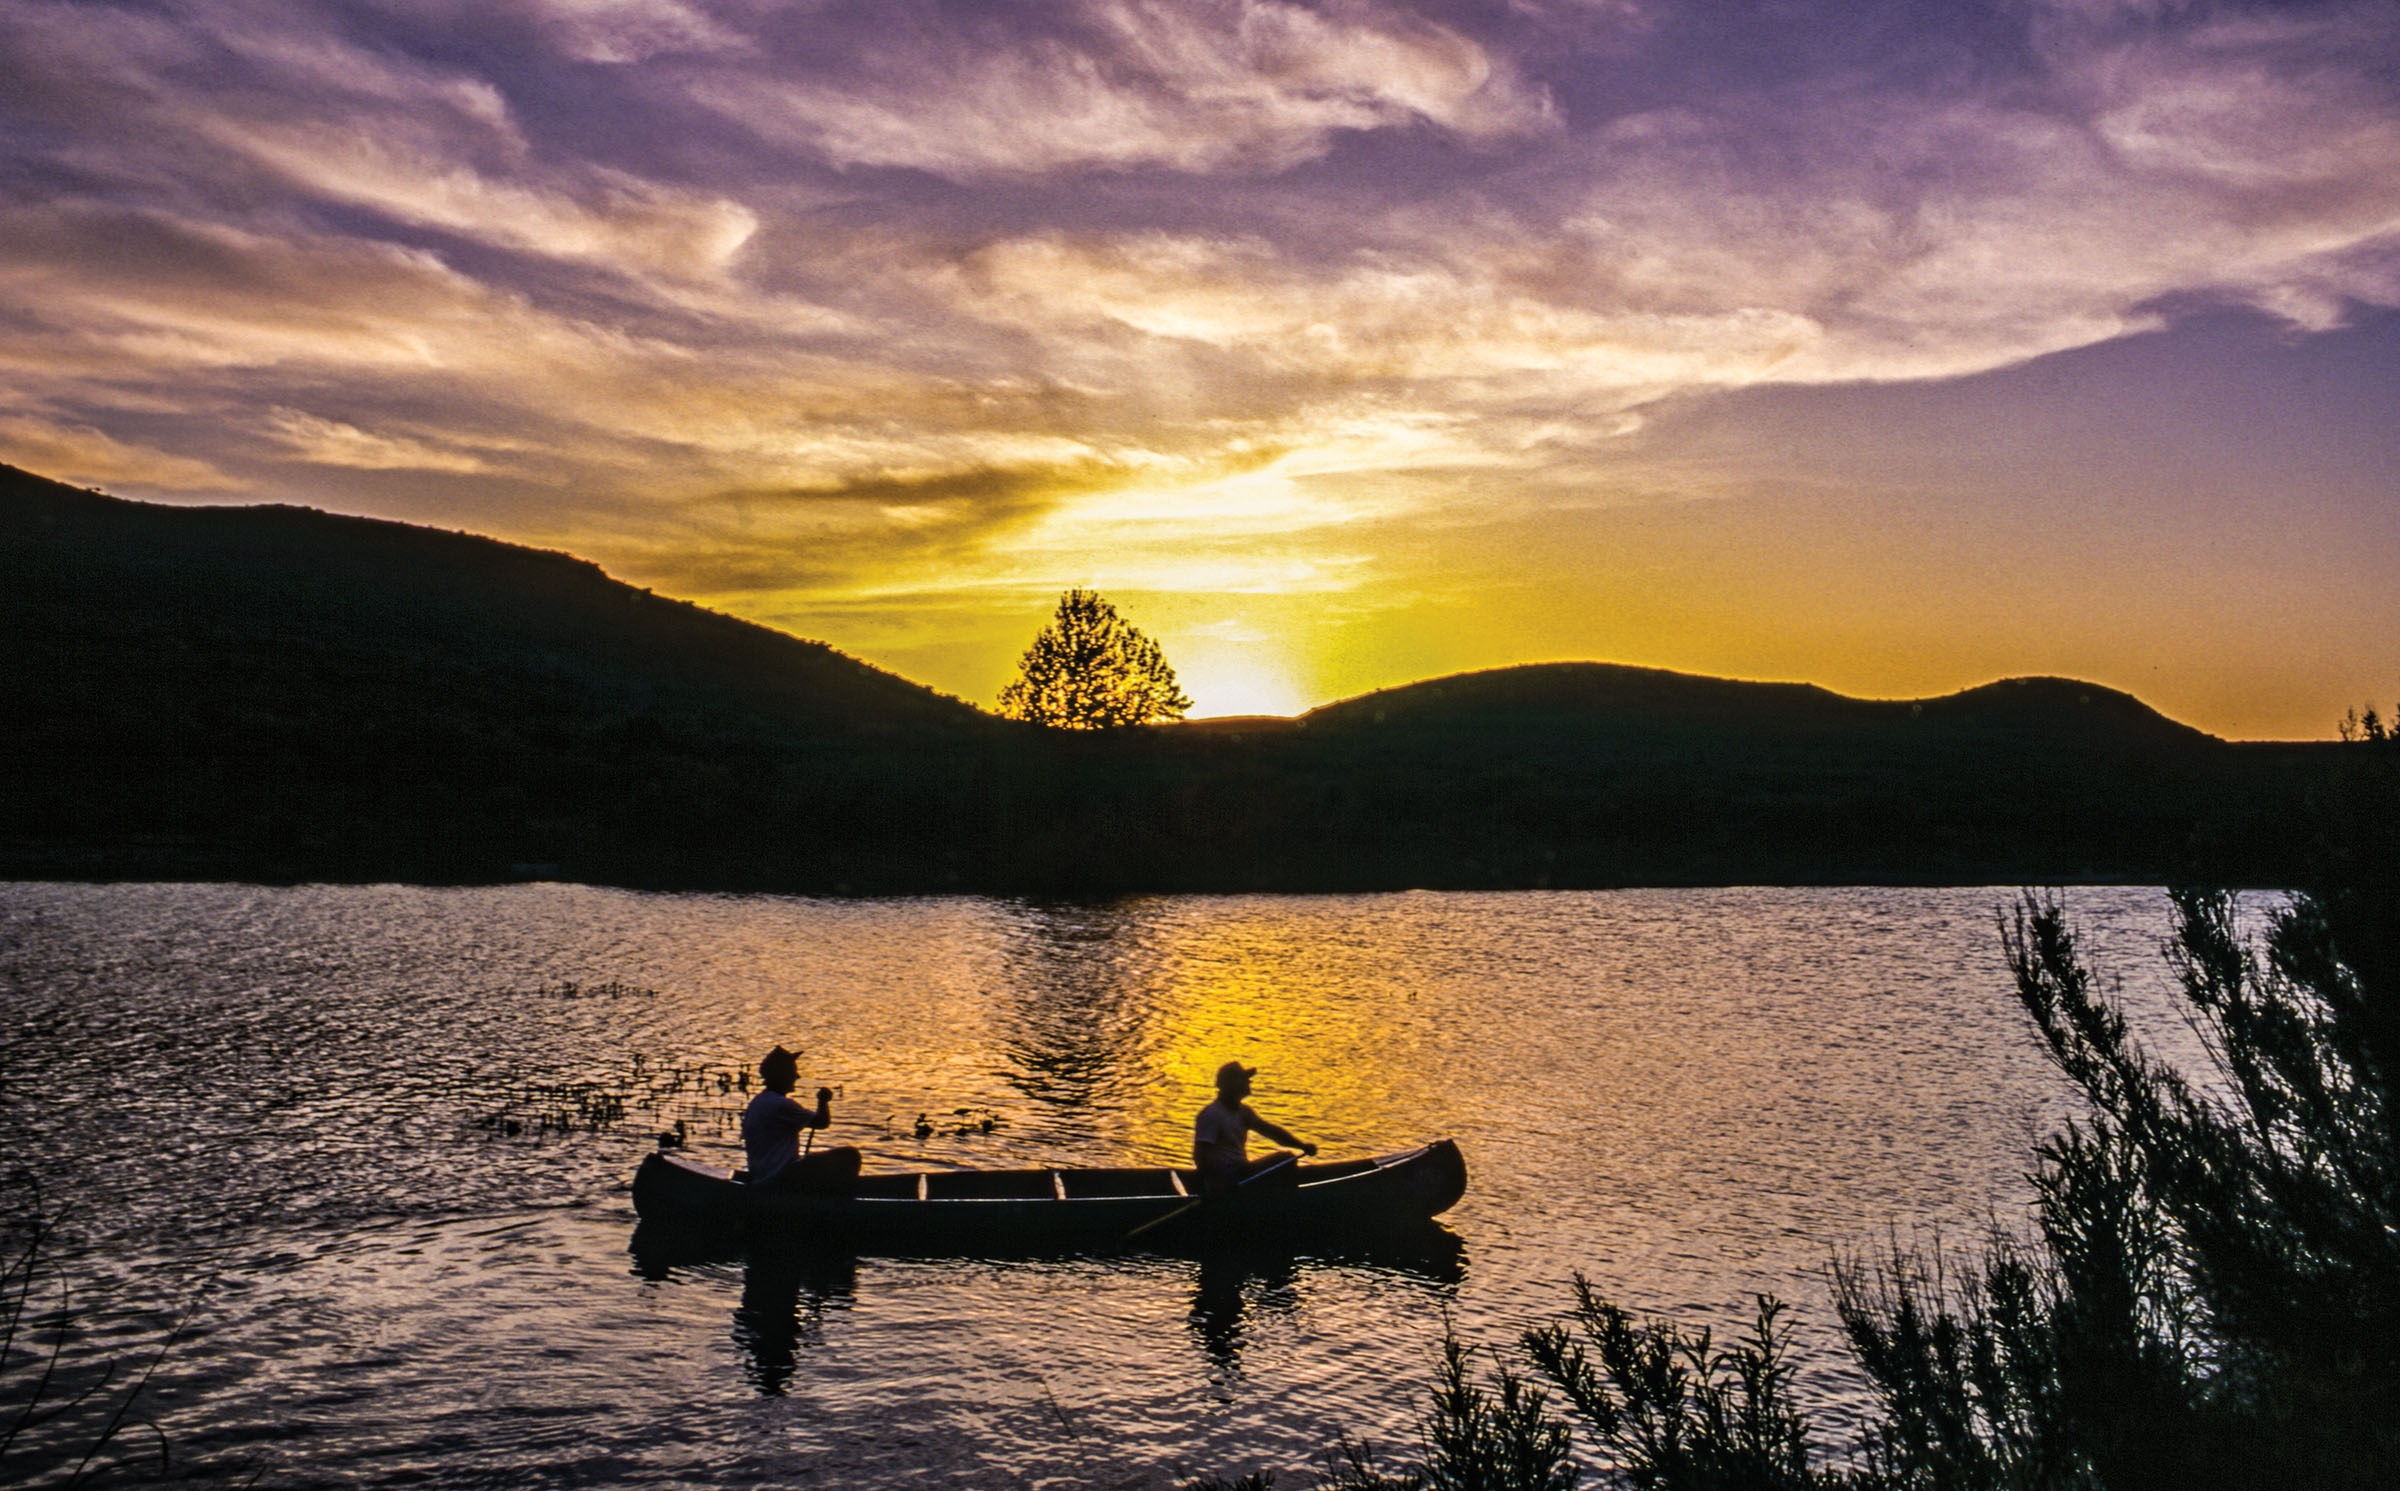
[1282, 1136]
[823, 1117]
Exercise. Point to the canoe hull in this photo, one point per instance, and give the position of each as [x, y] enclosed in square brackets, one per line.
[938, 1214]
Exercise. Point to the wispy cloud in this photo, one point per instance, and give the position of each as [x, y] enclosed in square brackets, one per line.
[1188, 85]
[630, 31]
[79, 453]
[329, 442]
[920, 296]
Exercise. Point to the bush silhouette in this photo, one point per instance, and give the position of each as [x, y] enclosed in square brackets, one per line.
[2211, 1298]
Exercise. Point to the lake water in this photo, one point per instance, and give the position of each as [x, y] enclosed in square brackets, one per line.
[394, 1127]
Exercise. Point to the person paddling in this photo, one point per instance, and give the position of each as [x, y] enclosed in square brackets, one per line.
[1221, 1135]
[771, 1128]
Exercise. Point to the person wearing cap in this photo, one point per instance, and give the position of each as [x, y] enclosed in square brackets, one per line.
[771, 1128]
[1221, 1135]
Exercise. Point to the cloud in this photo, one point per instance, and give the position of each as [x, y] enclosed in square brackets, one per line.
[328, 442]
[769, 540]
[629, 31]
[615, 219]
[1189, 85]
[79, 453]
[1459, 334]
[345, 125]
[950, 293]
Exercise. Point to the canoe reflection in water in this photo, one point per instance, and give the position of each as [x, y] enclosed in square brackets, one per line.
[791, 1296]
[1234, 1291]
[1226, 1293]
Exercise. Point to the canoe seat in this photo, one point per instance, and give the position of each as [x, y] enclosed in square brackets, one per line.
[1078, 1184]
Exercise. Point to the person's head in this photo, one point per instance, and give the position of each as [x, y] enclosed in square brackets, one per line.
[780, 1070]
[1233, 1080]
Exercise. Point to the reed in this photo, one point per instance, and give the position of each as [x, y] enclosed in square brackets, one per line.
[65, 1419]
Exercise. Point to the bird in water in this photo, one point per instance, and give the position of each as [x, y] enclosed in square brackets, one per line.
[675, 1137]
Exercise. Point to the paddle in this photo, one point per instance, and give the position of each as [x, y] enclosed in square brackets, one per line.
[1167, 1217]
[807, 1142]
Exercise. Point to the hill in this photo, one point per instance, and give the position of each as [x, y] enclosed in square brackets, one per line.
[274, 692]
[279, 690]
[1595, 774]
[1595, 701]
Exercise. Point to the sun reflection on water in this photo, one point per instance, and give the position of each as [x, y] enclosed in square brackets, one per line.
[1688, 1094]
[1334, 1065]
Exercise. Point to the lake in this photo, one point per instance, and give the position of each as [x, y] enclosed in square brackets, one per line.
[391, 1128]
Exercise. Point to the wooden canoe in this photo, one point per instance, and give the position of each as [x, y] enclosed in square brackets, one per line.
[1066, 1210]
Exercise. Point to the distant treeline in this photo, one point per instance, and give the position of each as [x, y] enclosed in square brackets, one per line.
[278, 693]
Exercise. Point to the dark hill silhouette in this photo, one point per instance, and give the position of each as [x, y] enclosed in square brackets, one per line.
[1602, 698]
[1605, 695]
[423, 598]
[1593, 774]
[279, 692]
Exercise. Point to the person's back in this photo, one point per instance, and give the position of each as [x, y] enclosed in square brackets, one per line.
[771, 1126]
[1221, 1136]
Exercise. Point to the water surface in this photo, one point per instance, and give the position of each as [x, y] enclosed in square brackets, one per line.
[395, 1126]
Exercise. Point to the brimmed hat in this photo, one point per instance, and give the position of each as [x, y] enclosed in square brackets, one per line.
[1233, 1069]
[779, 1060]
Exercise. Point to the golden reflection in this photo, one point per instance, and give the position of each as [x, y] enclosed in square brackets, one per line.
[1335, 1065]
[1118, 1014]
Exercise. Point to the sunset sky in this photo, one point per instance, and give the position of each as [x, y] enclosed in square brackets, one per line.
[1887, 345]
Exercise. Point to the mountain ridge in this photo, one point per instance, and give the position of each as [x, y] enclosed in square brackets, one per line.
[300, 567]
[277, 692]
[1634, 688]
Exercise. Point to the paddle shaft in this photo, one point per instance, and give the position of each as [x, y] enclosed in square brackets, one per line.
[1195, 1201]
[812, 1133]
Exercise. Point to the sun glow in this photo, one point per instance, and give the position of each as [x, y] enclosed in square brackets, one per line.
[1225, 679]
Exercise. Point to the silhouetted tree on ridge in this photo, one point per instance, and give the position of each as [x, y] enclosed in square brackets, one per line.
[276, 693]
[1091, 669]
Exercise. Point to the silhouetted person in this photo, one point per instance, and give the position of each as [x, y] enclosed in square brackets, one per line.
[771, 1128]
[1221, 1136]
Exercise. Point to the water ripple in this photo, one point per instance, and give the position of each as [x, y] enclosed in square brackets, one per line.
[395, 1125]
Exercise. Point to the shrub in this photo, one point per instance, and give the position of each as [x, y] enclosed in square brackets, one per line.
[2211, 1298]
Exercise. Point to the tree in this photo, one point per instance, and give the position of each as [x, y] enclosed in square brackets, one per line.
[2213, 1297]
[1091, 669]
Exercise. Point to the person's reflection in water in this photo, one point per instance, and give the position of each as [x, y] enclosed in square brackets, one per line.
[784, 1298]
[1223, 1303]
[1233, 1292]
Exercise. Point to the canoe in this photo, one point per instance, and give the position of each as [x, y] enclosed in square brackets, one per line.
[1045, 1210]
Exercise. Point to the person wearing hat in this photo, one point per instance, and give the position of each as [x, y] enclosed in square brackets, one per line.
[1221, 1135]
[771, 1128]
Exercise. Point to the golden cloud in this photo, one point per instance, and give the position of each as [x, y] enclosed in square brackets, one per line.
[79, 453]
